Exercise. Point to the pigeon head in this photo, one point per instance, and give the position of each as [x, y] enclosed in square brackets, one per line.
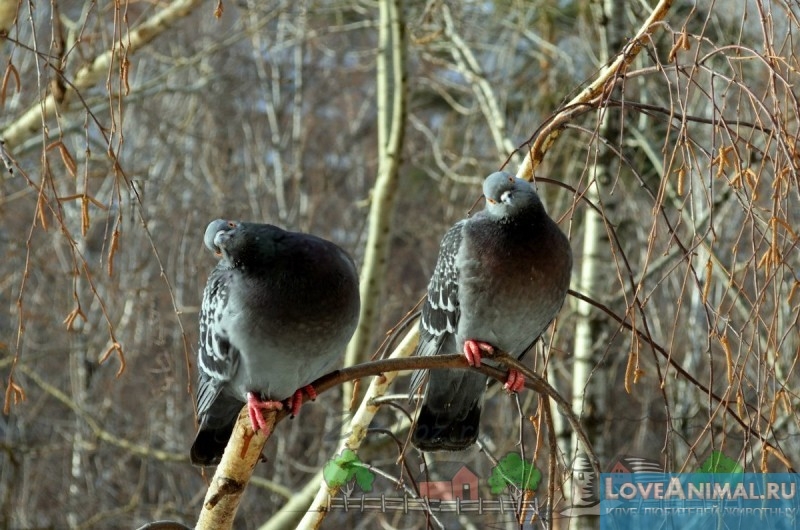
[217, 229]
[238, 243]
[507, 195]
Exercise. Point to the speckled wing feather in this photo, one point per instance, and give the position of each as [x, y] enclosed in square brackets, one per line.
[440, 311]
[217, 358]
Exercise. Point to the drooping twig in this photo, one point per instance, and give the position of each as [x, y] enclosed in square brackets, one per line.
[587, 98]
[97, 69]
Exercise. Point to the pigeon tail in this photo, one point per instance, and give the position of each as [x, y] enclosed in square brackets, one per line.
[446, 430]
[209, 444]
[450, 413]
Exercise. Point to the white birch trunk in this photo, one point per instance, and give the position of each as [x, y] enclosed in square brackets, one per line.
[391, 130]
[588, 388]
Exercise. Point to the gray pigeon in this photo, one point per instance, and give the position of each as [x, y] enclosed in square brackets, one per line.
[277, 313]
[501, 278]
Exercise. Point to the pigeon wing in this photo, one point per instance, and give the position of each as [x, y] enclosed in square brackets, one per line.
[440, 312]
[218, 358]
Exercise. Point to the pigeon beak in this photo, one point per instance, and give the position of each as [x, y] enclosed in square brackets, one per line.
[218, 242]
[220, 237]
[491, 201]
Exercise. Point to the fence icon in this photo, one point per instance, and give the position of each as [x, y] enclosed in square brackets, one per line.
[406, 504]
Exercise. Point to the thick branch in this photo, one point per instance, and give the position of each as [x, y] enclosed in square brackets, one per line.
[233, 473]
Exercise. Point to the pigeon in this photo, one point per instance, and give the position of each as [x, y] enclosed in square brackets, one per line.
[277, 313]
[500, 279]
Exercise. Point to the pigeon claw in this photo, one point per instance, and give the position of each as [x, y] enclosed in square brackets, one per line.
[296, 401]
[256, 406]
[472, 351]
[515, 381]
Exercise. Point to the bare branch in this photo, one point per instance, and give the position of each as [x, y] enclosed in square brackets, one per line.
[590, 96]
[95, 71]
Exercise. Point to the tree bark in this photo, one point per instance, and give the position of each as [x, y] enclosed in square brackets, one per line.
[232, 474]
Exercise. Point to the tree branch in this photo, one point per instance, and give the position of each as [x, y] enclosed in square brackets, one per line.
[244, 448]
[92, 73]
[233, 473]
[589, 97]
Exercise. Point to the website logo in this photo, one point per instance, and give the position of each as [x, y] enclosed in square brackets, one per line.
[700, 500]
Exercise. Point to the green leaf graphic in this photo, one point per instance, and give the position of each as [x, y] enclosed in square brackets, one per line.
[335, 476]
[719, 463]
[364, 479]
[530, 478]
[511, 470]
[346, 467]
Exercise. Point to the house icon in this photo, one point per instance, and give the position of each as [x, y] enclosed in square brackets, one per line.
[448, 481]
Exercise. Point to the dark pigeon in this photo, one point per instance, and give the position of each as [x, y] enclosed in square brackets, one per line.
[277, 313]
[501, 278]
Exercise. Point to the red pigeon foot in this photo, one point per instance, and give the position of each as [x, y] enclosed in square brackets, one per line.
[296, 401]
[515, 381]
[255, 408]
[472, 351]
